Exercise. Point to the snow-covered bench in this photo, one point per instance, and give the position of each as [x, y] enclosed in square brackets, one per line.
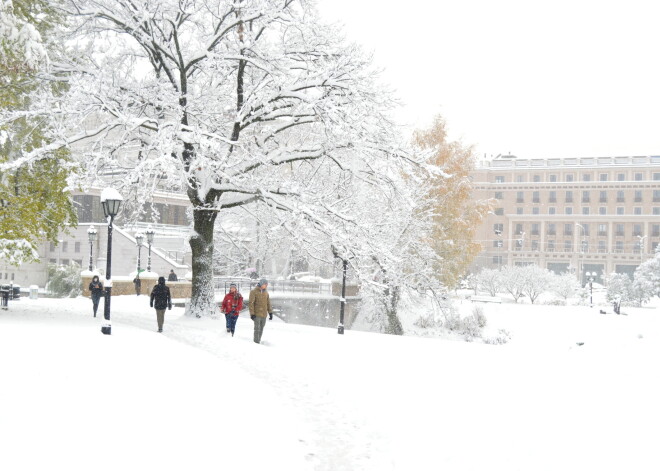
[486, 299]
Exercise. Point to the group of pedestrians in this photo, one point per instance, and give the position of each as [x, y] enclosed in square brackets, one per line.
[258, 304]
[232, 304]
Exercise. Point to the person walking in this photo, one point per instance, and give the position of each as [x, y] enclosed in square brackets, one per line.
[138, 284]
[96, 289]
[172, 276]
[161, 299]
[260, 307]
[231, 306]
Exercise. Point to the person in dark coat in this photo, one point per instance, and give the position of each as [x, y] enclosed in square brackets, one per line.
[231, 306]
[172, 276]
[138, 284]
[96, 289]
[161, 299]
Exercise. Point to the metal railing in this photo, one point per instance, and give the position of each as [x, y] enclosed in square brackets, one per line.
[221, 284]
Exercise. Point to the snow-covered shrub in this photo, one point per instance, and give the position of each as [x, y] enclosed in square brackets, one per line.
[479, 316]
[489, 280]
[555, 302]
[64, 280]
[502, 337]
[469, 328]
[619, 287]
[564, 285]
[425, 321]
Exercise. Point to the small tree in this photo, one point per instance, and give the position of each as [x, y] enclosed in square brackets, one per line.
[490, 280]
[564, 285]
[64, 280]
[641, 290]
[619, 288]
[513, 282]
[648, 274]
[535, 281]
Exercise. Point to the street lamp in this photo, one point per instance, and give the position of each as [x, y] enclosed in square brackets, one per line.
[342, 299]
[591, 276]
[139, 238]
[150, 240]
[91, 235]
[500, 244]
[110, 202]
[641, 248]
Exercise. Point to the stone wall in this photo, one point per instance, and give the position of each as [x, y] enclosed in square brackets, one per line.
[123, 286]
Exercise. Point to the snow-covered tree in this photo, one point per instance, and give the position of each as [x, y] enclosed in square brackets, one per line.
[536, 281]
[641, 290]
[234, 102]
[564, 285]
[647, 274]
[457, 214]
[513, 281]
[619, 288]
[490, 280]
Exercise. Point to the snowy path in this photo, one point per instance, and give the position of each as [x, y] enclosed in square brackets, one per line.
[309, 399]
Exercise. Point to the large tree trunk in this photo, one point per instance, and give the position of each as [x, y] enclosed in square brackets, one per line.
[391, 303]
[202, 300]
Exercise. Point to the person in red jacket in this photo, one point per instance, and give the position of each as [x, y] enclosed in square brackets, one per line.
[231, 306]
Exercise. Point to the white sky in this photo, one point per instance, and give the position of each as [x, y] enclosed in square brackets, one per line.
[567, 78]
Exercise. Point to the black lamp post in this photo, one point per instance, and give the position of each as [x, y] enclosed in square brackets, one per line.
[110, 201]
[591, 276]
[342, 299]
[139, 238]
[91, 234]
[150, 240]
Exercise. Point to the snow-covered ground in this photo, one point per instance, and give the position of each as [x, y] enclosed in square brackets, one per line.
[195, 398]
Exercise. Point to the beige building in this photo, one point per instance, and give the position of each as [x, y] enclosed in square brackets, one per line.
[579, 215]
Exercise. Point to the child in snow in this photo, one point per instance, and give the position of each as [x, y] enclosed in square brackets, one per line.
[231, 306]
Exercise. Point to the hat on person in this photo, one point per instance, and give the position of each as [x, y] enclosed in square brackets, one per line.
[262, 281]
[232, 285]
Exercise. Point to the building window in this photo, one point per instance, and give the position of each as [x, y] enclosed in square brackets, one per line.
[520, 197]
[603, 197]
[586, 177]
[620, 196]
[52, 261]
[603, 177]
[585, 228]
[637, 211]
[638, 177]
[553, 197]
[585, 210]
[620, 232]
[654, 247]
[498, 195]
[519, 229]
[76, 247]
[656, 196]
[551, 246]
[498, 228]
[568, 246]
[536, 197]
[618, 246]
[64, 261]
[568, 210]
[602, 229]
[569, 177]
[620, 211]
[497, 260]
[569, 196]
[51, 247]
[656, 210]
[499, 211]
[568, 229]
[602, 247]
[602, 210]
[655, 230]
[520, 179]
[656, 176]
[584, 246]
[519, 210]
[621, 177]
[637, 230]
[551, 229]
[499, 179]
[535, 245]
[535, 229]
[65, 247]
[536, 178]
[585, 197]
[552, 210]
[535, 210]
[553, 178]
[638, 196]
[497, 243]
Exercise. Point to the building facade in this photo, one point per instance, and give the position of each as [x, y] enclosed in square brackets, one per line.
[578, 215]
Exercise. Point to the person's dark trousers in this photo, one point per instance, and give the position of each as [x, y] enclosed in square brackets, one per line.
[160, 316]
[231, 323]
[95, 303]
[227, 316]
[259, 323]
